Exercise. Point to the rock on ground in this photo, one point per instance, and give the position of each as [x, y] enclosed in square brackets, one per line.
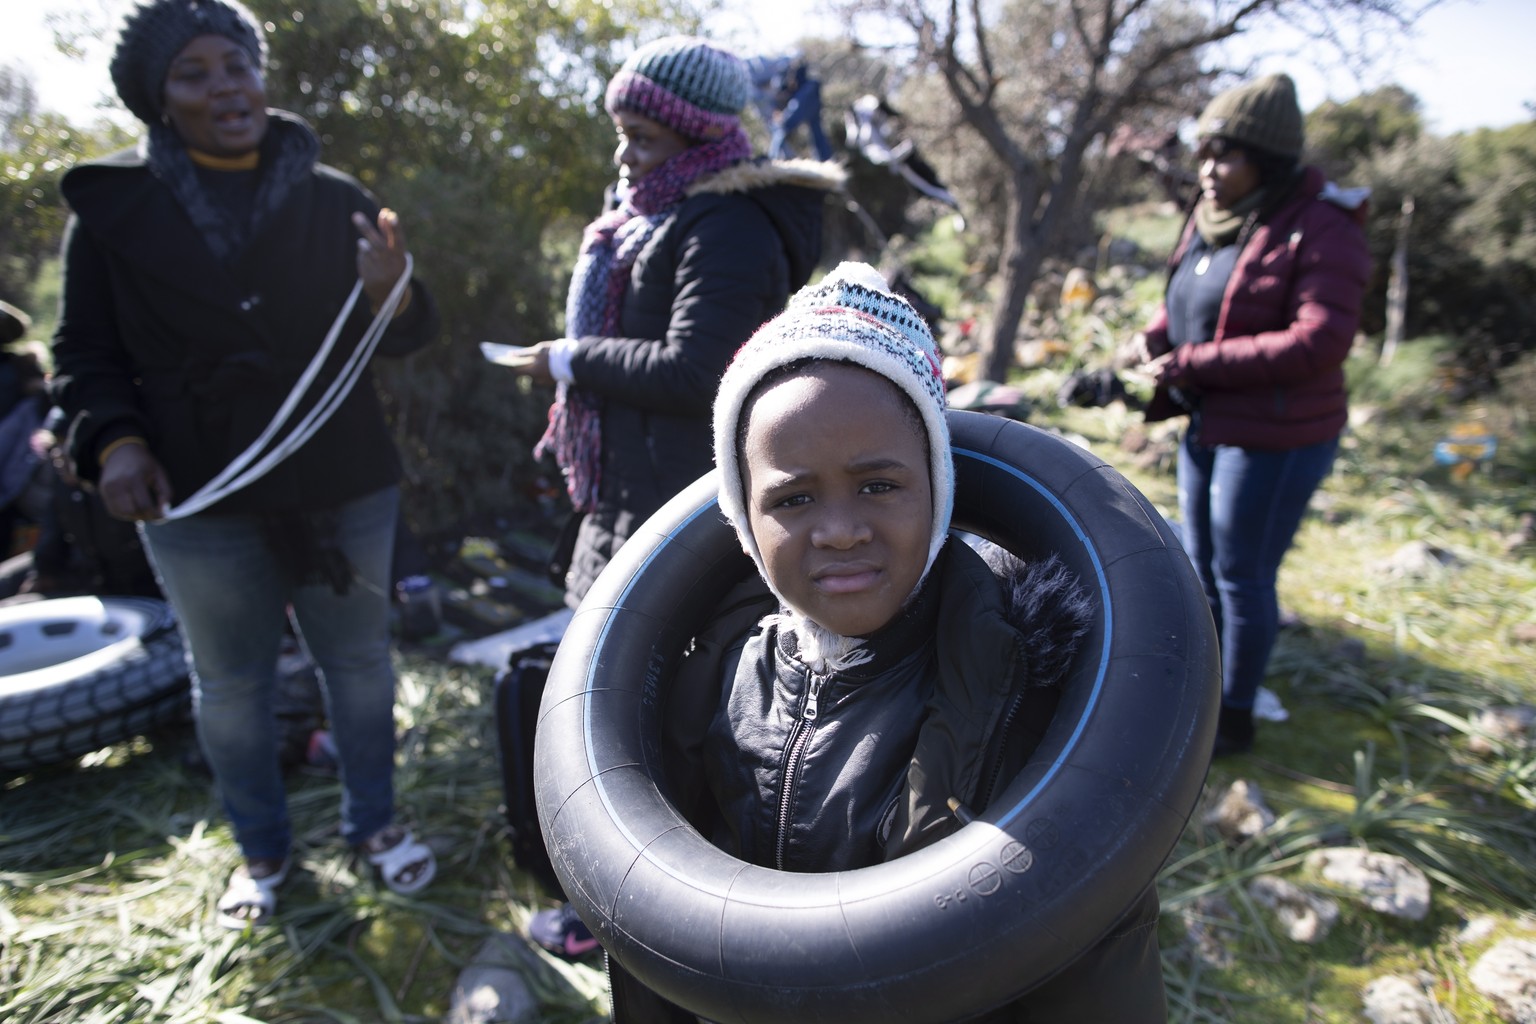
[1241, 813]
[1386, 883]
[1477, 929]
[1417, 560]
[1506, 974]
[493, 988]
[1211, 927]
[1502, 726]
[1306, 917]
[1394, 999]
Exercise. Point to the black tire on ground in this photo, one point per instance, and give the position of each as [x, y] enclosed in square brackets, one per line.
[81, 673]
[949, 931]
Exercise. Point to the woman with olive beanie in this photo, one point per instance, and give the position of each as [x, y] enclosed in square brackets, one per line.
[204, 270]
[1262, 306]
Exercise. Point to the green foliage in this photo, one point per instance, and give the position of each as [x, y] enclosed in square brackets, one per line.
[41, 148]
[1339, 135]
[36, 148]
[1397, 382]
[1152, 228]
[1472, 243]
[937, 261]
[1499, 220]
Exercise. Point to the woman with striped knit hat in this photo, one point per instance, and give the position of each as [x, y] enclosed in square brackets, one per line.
[700, 243]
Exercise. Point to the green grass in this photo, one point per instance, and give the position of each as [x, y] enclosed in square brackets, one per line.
[109, 871]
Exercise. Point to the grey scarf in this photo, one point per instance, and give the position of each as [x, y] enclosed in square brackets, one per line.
[288, 155]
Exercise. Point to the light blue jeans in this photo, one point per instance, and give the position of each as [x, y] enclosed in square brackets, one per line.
[1241, 508]
[231, 601]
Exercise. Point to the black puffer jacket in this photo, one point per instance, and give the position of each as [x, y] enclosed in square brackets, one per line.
[160, 340]
[723, 263]
[963, 683]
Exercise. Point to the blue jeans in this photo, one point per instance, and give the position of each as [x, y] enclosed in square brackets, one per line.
[1241, 508]
[231, 600]
[803, 108]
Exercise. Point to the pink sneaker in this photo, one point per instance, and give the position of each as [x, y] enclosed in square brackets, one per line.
[562, 932]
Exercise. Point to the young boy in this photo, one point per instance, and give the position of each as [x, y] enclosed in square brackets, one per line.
[905, 678]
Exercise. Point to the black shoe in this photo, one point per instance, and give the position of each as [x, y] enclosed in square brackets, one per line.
[1234, 732]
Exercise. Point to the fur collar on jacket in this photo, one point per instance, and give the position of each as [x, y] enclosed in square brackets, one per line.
[751, 175]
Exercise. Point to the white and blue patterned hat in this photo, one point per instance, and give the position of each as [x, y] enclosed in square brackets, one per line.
[850, 316]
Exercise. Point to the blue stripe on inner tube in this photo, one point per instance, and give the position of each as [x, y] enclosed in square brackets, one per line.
[1013, 812]
[586, 715]
[1109, 628]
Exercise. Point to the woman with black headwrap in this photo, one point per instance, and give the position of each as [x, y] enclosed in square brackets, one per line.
[204, 270]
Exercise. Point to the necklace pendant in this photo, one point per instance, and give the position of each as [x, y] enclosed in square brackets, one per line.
[1202, 265]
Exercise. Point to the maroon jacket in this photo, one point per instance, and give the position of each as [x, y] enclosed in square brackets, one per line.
[1273, 376]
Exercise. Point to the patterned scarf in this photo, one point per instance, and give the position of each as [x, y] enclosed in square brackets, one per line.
[609, 247]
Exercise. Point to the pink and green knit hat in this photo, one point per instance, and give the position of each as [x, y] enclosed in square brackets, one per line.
[685, 83]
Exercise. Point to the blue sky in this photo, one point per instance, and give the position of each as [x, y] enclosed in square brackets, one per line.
[1471, 62]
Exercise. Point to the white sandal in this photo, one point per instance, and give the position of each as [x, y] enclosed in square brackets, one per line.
[405, 864]
[251, 902]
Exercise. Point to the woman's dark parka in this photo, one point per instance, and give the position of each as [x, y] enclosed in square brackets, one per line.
[725, 261]
[160, 340]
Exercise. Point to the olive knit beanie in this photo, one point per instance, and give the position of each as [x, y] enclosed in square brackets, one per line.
[685, 83]
[1263, 114]
[154, 32]
[850, 316]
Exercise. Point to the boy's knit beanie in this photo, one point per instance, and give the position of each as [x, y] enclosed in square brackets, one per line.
[685, 83]
[850, 316]
[1263, 114]
[154, 32]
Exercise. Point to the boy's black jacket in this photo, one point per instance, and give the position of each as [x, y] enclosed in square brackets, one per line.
[995, 633]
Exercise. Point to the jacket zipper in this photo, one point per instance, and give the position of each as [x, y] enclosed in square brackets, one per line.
[984, 796]
[794, 753]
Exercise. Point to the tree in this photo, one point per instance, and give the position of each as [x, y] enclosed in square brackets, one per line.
[1340, 134]
[18, 105]
[1041, 83]
[36, 148]
[1472, 259]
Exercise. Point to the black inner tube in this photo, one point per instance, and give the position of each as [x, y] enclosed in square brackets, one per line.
[951, 930]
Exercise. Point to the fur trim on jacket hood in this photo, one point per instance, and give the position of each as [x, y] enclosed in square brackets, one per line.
[791, 193]
[823, 176]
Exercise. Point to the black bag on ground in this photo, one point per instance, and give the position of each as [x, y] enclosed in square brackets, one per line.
[519, 688]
